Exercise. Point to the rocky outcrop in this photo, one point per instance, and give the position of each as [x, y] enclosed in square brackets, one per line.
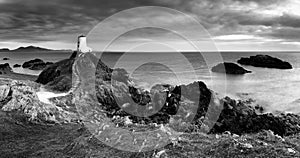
[229, 68]
[5, 69]
[21, 97]
[265, 61]
[36, 64]
[58, 76]
[159, 105]
[17, 65]
[239, 118]
[40, 66]
[30, 63]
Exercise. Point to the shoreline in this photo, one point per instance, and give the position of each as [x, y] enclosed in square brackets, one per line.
[18, 76]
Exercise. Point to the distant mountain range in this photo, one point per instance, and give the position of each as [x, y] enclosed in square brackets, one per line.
[28, 49]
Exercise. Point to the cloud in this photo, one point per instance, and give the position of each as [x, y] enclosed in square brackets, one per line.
[227, 20]
[236, 37]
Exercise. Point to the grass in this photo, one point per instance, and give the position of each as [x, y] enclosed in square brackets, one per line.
[19, 138]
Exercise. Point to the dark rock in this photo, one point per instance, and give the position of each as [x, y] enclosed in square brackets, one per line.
[17, 65]
[30, 63]
[5, 58]
[58, 76]
[265, 61]
[4, 50]
[229, 68]
[62, 83]
[5, 68]
[49, 63]
[238, 118]
[40, 66]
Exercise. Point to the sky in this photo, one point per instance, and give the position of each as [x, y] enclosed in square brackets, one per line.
[233, 25]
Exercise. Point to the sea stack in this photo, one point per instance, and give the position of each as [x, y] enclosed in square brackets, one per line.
[265, 61]
[82, 45]
[229, 68]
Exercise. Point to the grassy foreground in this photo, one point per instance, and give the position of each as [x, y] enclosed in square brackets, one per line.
[19, 138]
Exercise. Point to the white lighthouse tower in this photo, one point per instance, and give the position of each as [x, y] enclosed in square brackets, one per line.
[82, 45]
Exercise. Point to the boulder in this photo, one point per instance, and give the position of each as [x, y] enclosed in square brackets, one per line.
[229, 68]
[5, 68]
[265, 61]
[5, 58]
[58, 76]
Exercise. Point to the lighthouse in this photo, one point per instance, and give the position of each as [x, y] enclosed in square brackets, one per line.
[82, 45]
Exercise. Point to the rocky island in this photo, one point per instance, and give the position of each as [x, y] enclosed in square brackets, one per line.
[265, 61]
[229, 68]
[17, 65]
[36, 64]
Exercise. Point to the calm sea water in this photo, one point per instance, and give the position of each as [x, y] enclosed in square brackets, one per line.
[276, 90]
[21, 57]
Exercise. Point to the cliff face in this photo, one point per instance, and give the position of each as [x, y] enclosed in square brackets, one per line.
[58, 76]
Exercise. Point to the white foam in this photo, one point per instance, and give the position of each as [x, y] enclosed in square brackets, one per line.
[44, 96]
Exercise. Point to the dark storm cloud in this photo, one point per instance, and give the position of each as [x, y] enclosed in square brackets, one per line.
[284, 20]
[37, 20]
[47, 20]
[286, 33]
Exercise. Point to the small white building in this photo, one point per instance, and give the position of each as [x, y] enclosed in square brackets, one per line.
[82, 45]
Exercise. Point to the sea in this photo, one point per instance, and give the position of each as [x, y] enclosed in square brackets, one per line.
[274, 89]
